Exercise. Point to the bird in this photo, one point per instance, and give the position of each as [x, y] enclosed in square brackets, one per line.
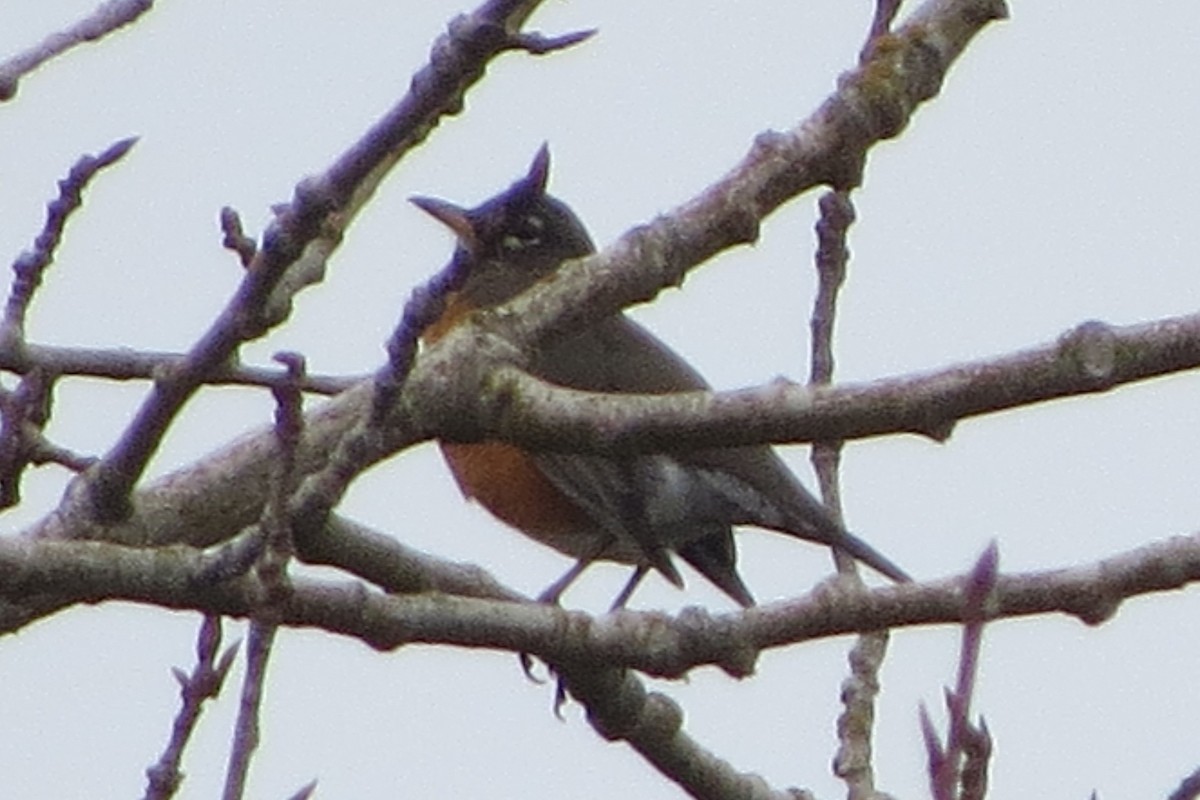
[635, 509]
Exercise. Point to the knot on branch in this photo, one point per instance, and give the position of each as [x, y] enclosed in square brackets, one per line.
[1091, 348]
[901, 72]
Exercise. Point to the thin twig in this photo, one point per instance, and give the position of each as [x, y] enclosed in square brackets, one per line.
[24, 411]
[126, 364]
[958, 767]
[205, 682]
[246, 734]
[236, 239]
[837, 215]
[425, 305]
[1188, 788]
[856, 724]
[271, 573]
[107, 18]
[305, 792]
[29, 268]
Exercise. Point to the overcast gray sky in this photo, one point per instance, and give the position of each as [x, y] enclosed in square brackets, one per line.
[1053, 181]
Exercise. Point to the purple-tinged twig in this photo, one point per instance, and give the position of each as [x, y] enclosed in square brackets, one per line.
[205, 682]
[537, 44]
[425, 305]
[305, 792]
[958, 768]
[22, 411]
[31, 265]
[104, 20]
[1188, 788]
[271, 570]
[235, 238]
[246, 732]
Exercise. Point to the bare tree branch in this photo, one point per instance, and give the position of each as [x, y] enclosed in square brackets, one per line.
[1092, 358]
[620, 709]
[1188, 788]
[25, 413]
[449, 389]
[958, 767]
[854, 760]
[32, 264]
[856, 724]
[108, 17]
[236, 239]
[205, 682]
[271, 572]
[65, 573]
[126, 364]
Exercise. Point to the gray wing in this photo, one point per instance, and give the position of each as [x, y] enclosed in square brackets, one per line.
[700, 492]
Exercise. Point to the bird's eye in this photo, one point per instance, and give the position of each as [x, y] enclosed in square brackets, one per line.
[525, 233]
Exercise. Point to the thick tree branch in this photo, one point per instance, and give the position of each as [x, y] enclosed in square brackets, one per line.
[1091, 358]
[654, 643]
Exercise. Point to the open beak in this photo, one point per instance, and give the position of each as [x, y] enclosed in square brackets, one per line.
[453, 217]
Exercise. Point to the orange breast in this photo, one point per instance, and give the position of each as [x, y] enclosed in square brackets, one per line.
[506, 481]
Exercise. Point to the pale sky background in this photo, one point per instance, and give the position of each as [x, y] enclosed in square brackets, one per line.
[1052, 182]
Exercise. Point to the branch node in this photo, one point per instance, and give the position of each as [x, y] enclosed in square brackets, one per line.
[1092, 347]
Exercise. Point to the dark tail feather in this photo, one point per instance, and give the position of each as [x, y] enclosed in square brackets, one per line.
[715, 557]
[868, 555]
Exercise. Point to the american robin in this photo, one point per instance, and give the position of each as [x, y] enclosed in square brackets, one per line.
[635, 509]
